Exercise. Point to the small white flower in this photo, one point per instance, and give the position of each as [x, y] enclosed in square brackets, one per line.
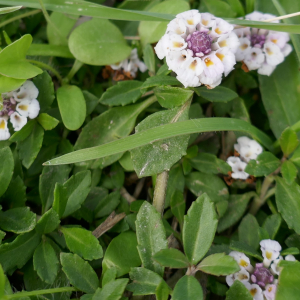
[227, 57]
[28, 108]
[275, 269]
[229, 41]
[243, 49]
[4, 132]
[266, 69]
[254, 59]
[238, 168]
[207, 20]
[290, 257]
[242, 260]
[274, 56]
[287, 49]
[17, 121]
[247, 148]
[210, 82]
[213, 66]
[242, 276]
[28, 91]
[270, 291]
[255, 291]
[177, 26]
[191, 19]
[221, 27]
[270, 250]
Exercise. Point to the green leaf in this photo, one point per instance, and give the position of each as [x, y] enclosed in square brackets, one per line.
[109, 275]
[72, 106]
[275, 90]
[289, 171]
[65, 24]
[158, 133]
[162, 155]
[287, 202]
[237, 7]
[79, 272]
[107, 204]
[98, 47]
[159, 80]
[210, 164]
[162, 291]
[123, 93]
[48, 222]
[6, 168]
[13, 61]
[199, 229]
[31, 146]
[218, 8]
[82, 242]
[170, 97]
[2, 283]
[112, 290]
[171, 258]
[219, 264]
[272, 225]
[126, 162]
[188, 288]
[178, 206]
[199, 183]
[45, 262]
[288, 285]
[45, 85]
[149, 58]
[22, 134]
[123, 260]
[245, 248]
[47, 121]
[293, 241]
[265, 164]
[8, 84]
[48, 179]
[75, 190]
[151, 32]
[249, 231]
[17, 220]
[144, 282]
[296, 157]
[49, 50]
[238, 291]
[288, 141]
[288, 251]
[6, 10]
[151, 236]
[218, 94]
[237, 205]
[19, 251]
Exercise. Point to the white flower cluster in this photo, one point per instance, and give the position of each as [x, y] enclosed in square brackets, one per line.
[17, 106]
[199, 48]
[260, 281]
[248, 149]
[262, 49]
[131, 64]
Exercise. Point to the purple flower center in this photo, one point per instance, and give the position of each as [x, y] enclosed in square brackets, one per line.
[261, 275]
[9, 107]
[199, 43]
[258, 40]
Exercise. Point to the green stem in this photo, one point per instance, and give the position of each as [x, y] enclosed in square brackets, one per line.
[76, 66]
[27, 14]
[41, 292]
[160, 191]
[47, 67]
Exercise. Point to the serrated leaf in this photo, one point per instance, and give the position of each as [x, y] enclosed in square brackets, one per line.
[287, 202]
[249, 231]
[6, 168]
[112, 290]
[265, 164]
[162, 291]
[47, 121]
[79, 272]
[199, 183]
[171, 258]
[158, 80]
[82, 242]
[219, 264]
[178, 206]
[149, 58]
[109, 275]
[48, 222]
[126, 259]
[218, 94]
[188, 288]
[272, 225]
[17, 220]
[288, 171]
[288, 141]
[151, 236]
[123, 93]
[45, 262]
[199, 229]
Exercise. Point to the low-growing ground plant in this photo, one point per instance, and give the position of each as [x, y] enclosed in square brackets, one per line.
[149, 149]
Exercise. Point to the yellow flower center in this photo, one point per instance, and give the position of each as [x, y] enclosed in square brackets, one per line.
[2, 124]
[208, 62]
[23, 107]
[205, 22]
[190, 22]
[193, 65]
[220, 56]
[177, 45]
[268, 255]
[243, 263]
[253, 292]
[223, 44]
[218, 31]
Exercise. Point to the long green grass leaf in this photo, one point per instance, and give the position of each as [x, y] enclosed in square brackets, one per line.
[162, 132]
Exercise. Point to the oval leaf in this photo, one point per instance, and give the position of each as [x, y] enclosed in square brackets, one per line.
[188, 288]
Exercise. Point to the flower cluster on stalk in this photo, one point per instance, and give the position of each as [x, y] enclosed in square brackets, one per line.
[260, 280]
[199, 48]
[262, 49]
[245, 150]
[17, 106]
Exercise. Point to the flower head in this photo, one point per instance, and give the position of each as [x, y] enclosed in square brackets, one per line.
[247, 148]
[242, 260]
[255, 291]
[238, 168]
[242, 276]
[270, 291]
[199, 48]
[262, 49]
[270, 250]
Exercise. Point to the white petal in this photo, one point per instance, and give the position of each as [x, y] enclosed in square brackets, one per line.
[177, 26]
[221, 27]
[227, 58]
[4, 132]
[287, 49]
[17, 121]
[28, 108]
[27, 91]
[266, 69]
[274, 56]
[162, 47]
[213, 67]
[254, 59]
[270, 249]
[191, 19]
[290, 257]
[243, 49]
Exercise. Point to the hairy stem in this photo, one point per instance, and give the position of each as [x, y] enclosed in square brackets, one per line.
[27, 14]
[41, 292]
[160, 191]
